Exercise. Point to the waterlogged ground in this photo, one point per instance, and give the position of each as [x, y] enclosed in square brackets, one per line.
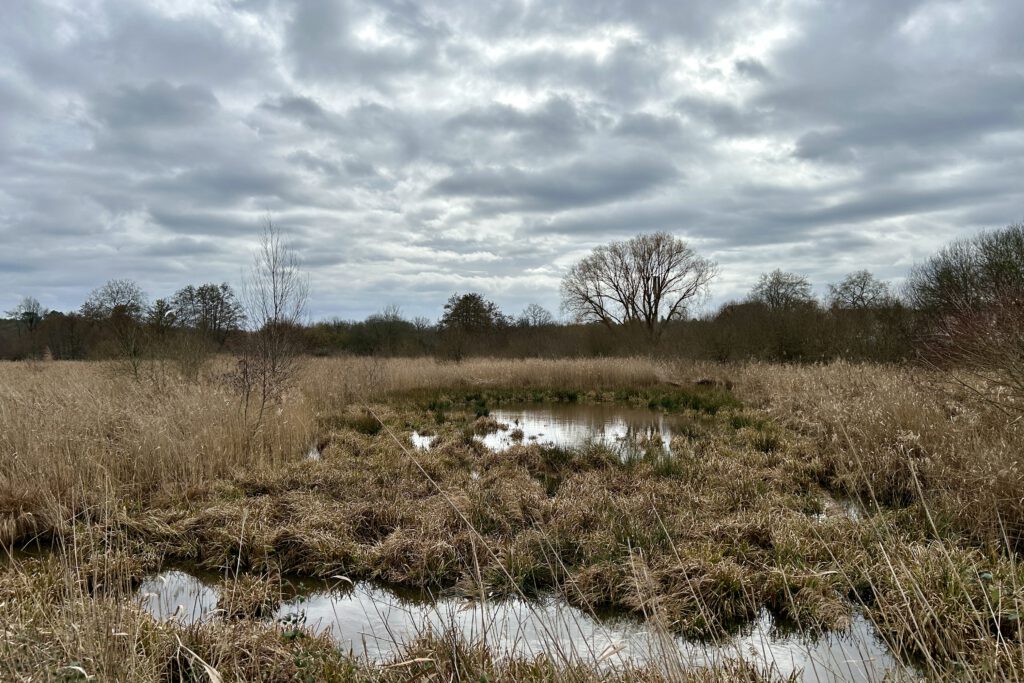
[585, 513]
[675, 502]
[374, 622]
[660, 518]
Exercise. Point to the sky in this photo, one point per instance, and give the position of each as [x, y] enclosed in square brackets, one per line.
[411, 150]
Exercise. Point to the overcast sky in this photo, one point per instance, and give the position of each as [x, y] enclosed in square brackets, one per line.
[415, 149]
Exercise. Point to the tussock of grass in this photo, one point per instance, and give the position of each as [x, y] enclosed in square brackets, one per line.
[249, 596]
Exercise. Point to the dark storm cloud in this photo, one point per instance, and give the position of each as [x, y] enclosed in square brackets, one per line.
[414, 149]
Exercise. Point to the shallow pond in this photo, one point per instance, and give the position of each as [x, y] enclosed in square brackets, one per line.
[375, 621]
[570, 425]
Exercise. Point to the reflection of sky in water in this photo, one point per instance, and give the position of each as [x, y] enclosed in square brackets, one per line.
[369, 620]
[573, 424]
[178, 595]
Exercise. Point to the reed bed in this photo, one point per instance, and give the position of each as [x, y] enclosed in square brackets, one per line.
[80, 438]
[896, 436]
[739, 516]
[325, 377]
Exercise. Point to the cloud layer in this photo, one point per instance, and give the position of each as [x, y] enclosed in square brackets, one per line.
[416, 149]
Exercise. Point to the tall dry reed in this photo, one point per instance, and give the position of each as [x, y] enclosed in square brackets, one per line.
[75, 437]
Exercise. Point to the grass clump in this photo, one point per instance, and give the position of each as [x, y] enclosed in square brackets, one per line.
[249, 596]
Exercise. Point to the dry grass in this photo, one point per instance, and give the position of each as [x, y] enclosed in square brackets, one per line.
[330, 380]
[80, 440]
[736, 519]
[897, 436]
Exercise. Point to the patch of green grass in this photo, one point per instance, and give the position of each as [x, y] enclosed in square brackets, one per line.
[706, 400]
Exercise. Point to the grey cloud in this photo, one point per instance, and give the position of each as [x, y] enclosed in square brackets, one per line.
[633, 72]
[360, 168]
[649, 126]
[226, 185]
[180, 247]
[205, 223]
[303, 109]
[557, 124]
[723, 117]
[972, 109]
[753, 68]
[578, 184]
[315, 163]
[323, 40]
[700, 22]
[418, 148]
[117, 41]
[156, 104]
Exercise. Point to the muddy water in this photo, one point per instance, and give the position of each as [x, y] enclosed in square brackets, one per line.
[570, 425]
[374, 621]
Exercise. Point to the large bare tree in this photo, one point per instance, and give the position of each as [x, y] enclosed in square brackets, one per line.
[648, 280]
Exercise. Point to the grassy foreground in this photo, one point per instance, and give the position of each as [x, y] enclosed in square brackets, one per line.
[747, 511]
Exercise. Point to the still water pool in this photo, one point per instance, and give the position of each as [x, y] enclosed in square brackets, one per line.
[374, 621]
[571, 425]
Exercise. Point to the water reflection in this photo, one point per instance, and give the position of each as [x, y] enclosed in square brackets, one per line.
[374, 621]
[570, 425]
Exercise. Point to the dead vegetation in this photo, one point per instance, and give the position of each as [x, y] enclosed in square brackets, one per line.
[737, 517]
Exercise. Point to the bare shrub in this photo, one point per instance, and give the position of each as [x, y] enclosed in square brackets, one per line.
[972, 297]
[274, 295]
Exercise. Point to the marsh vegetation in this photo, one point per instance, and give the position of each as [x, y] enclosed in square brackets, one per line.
[269, 515]
[866, 505]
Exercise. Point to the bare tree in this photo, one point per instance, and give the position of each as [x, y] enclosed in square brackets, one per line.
[210, 309]
[121, 307]
[981, 349]
[116, 297]
[29, 312]
[274, 295]
[969, 273]
[535, 315]
[779, 290]
[859, 290]
[648, 280]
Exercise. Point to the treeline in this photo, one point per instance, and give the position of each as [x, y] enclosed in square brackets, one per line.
[779, 321]
[795, 327]
[118, 321]
[971, 290]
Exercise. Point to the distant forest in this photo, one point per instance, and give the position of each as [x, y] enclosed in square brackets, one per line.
[972, 289]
